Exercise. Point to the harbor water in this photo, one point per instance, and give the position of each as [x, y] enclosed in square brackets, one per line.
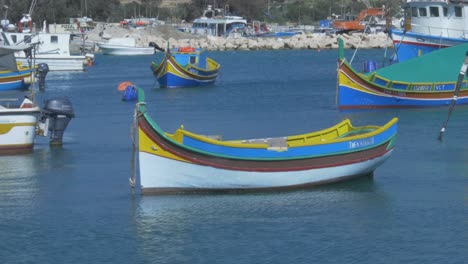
[73, 204]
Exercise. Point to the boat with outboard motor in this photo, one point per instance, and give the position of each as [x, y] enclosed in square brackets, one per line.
[21, 123]
[17, 126]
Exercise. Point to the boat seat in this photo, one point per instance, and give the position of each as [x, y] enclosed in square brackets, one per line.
[278, 143]
[214, 137]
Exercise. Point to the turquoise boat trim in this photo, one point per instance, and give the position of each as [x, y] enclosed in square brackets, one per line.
[334, 148]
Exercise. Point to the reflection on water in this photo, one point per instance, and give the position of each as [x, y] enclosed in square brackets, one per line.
[18, 183]
[20, 175]
[16, 170]
[172, 223]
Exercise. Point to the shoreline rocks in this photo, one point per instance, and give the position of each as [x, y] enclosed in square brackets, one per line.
[164, 35]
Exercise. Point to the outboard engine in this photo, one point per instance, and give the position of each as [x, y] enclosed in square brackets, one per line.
[57, 113]
[42, 70]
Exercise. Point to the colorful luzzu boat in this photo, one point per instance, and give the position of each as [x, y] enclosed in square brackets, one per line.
[425, 81]
[185, 67]
[13, 74]
[185, 161]
[10, 80]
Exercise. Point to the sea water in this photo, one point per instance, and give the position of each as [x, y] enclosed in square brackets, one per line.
[73, 204]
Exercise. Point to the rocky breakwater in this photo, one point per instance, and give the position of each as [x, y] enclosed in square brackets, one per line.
[167, 35]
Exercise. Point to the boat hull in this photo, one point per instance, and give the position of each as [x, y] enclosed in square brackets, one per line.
[170, 74]
[355, 92]
[14, 80]
[409, 44]
[163, 175]
[59, 63]
[17, 130]
[108, 49]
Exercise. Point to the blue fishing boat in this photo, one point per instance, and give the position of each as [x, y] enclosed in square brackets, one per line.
[429, 80]
[13, 74]
[430, 25]
[185, 67]
[185, 161]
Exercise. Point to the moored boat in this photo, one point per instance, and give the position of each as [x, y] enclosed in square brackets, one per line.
[18, 126]
[13, 74]
[424, 81]
[123, 46]
[185, 161]
[430, 25]
[185, 67]
[218, 22]
[54, 49]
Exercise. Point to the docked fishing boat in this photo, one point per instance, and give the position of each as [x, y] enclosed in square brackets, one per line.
[430, 25]
[123, 46]
[51, 48]
[218, 22]
[18, 126]
[185, 67]
[13, 74]
[185, 161]
[424, 81]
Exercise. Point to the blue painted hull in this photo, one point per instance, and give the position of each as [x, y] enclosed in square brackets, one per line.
[409, 45]
[350, 98]
[14, 80]
[185, 69]
[170, 80]
[17, 85]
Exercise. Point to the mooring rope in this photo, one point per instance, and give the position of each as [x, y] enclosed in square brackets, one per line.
[360, 41]
[133, 131]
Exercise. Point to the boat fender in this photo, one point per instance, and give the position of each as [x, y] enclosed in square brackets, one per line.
[370, 66]
[123, 85]
[130, 93]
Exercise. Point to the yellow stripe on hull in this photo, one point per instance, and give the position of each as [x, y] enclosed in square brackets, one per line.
[346, 81]
[5, 128]
[149, 146]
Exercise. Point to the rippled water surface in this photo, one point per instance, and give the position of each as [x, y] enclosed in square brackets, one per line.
[74, 205]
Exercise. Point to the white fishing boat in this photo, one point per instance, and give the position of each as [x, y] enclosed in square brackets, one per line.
[216, 22]
[123, 46]
[17, 126]
[52, 49]
[430, 25]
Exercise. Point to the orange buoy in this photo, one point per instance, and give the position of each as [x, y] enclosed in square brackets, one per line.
[123, 85]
